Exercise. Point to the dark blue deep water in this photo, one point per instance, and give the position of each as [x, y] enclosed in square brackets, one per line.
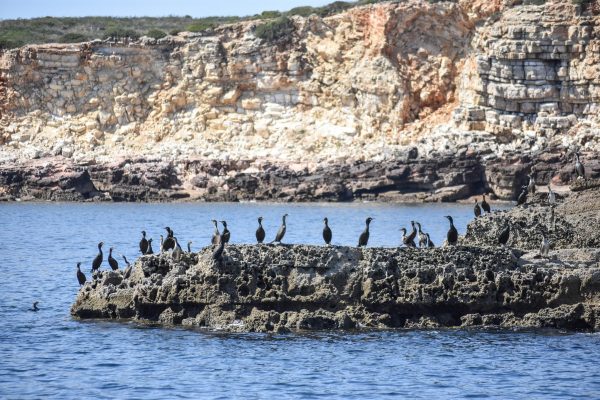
[49, 355]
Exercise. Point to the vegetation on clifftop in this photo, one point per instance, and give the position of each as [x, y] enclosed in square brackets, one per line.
[19, 32]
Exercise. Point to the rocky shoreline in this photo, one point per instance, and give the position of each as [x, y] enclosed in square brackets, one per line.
[269, 288]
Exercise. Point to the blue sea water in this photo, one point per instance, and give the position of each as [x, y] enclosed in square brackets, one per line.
[49, 355]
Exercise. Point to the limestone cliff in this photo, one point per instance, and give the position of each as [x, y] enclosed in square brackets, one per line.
[399, 85]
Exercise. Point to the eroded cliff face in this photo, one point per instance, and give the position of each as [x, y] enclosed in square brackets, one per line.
[495, 84]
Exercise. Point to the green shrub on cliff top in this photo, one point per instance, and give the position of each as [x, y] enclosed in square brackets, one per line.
[275, 30]
[156, 34]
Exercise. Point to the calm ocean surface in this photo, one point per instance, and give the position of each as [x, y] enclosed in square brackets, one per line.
[49, 355]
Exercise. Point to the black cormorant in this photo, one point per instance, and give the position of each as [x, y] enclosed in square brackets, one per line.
[80, 275]
[177, 251]
[412, 235]
[189, 244]
[430, 244]
[485, 206]
[216, 235]
[281, 231]
[405, 241]
[452, 236]
[143, 243]
[421, 235]
[260, 231]
[98, 260]
[218, 252]
[364, 236]
[579, 168]
[327, 231]
[226, 235]
[168, 243]
[34, 307]
[477, 209]
[504, 235]
[150, 251]
[522, 196]
[127, 271]
[111, 261]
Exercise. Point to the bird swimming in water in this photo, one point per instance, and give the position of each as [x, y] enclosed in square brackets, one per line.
[80, 275]
[531, 184]
[225, 235]
[216, 237]
[430, 244]
[551, 196]
[189, 245]
[485, 206]
[327, 234]
[34, 307]
[168, 243]
[522, 196]
[421, 235]
[364, 236]
[177, 251]
[504, 235]
[477, 209]
[452, 235]
[111, 261]
[98, 260]
[260, 231]
[544, 246]
[150, 251]
[143, 243]
[281, 231]
[579, 168]
[405, 240]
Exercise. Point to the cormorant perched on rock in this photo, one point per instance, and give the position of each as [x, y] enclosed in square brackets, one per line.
[190, 246]
[327, 234]
[226, 235]
[98, 260]
[216, 237]
[522, 196]
[421, 235]
[143, 243]
[551, 196]
[125, 259]
[405, 240]
[531, 184]
[168, 243]
[452, 236]
[217, 254]
[579, 168]
[127, 271]
[177, 251]
[111, 261]
[485, 206]
[281, 231]
[544, 246]
[430, 244]
[80, 275]
[150, 251]
[260, 231]
[412, 235]
[477, 209]
[504, 235]
[364, 236]
[34, 307]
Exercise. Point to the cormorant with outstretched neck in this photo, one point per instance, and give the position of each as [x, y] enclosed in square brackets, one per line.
[260, 231]
[522, 196]
[421, 235]
[125, 259]
[34, 307]
[168, 243]
[504, 235]
[477, 209]
[579, 168]
[485, 206]
[80, 275]
[98, 260]
[452, 235]
[217, 254]
[531, 184]
[327, 234]
[544, 246]
[190, 246]
[111, 261]
[364, 236]
[177, 251]
[405, 240]
[226, 235]
[127, 271]
[150, 251]
[551, 196]
[216, 235]
[430, 244]
[412, 235]
[143, 243]
[281, 231]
